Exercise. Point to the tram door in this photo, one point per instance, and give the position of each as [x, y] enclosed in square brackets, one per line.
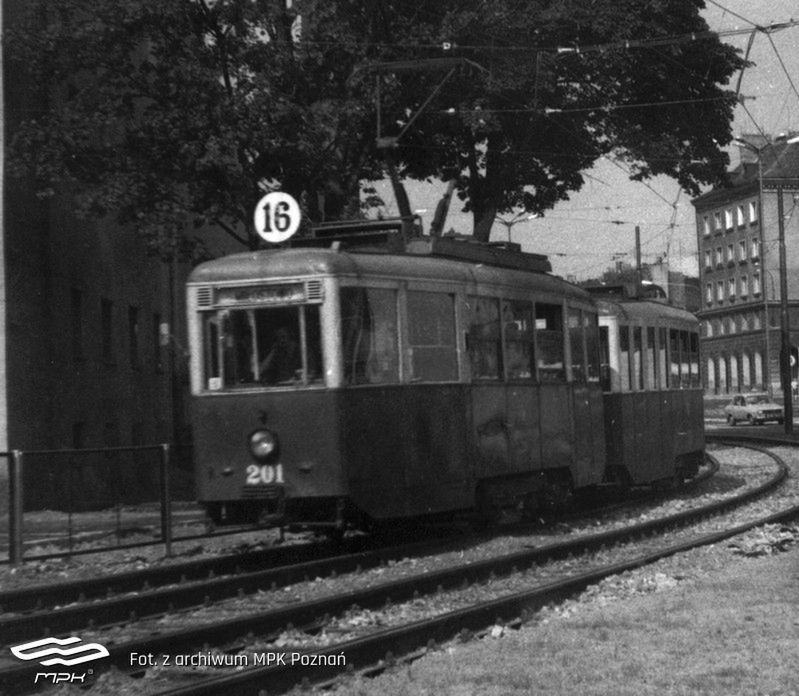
[489, 405]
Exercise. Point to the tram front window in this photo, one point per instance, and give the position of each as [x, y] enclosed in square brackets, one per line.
[275, 346]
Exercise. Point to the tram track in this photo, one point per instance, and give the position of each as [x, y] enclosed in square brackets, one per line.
[309, 615]
[72, 606]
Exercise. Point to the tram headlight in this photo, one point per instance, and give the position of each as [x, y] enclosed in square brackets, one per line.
[263, 445]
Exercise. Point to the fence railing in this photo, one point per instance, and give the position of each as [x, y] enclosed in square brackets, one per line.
[97, 493]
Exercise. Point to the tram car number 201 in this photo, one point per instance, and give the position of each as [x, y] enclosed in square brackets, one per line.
[344, 386]
[264, 474]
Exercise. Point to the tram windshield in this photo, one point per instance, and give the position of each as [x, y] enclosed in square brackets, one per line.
[276, 346]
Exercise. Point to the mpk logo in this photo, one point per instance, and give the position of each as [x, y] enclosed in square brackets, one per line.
[85, 652]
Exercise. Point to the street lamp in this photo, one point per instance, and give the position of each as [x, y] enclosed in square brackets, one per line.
[785, 330]
[520, 217]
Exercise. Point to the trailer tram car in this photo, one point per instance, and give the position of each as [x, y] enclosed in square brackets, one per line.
[654, 412]
[379, 376]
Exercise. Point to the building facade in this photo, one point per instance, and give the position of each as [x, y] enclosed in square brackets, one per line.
[91, 323]
[738, 244]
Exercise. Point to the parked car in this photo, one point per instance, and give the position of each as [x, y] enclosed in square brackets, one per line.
[753, 408]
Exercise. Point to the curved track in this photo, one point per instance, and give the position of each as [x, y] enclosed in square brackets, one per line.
[366, 650]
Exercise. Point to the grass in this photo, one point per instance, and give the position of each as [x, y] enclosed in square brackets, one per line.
[728, 625]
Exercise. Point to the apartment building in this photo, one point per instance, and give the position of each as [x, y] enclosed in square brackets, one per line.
[738, 243]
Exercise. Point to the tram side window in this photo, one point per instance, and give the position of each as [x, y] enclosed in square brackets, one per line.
[369, 335]
[696, 378]
[604, 358]
[663, 362]
[624, 357]
[211, 351]
[685, 360]
[484, 338]
[651, 363]
[637, 367]
[674, 358]
[519, 353]
[550, 342]
[592, 345]
[431, 337]
[576, 344]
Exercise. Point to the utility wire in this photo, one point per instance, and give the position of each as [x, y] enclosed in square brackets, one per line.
[726, 9]
[782, 64]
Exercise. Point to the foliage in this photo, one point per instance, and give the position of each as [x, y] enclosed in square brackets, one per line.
[519, 133]
[163, 111]
[167, 111]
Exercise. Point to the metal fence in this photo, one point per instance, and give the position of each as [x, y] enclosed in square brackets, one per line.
[92, 499]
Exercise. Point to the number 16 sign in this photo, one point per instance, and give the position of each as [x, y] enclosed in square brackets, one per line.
[277, 217]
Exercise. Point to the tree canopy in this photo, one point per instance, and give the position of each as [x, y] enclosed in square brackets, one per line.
[161, 112]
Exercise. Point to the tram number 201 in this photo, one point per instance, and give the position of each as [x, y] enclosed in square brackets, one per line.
[264, 474]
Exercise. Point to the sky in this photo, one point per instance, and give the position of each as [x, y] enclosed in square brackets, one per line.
[596, 227]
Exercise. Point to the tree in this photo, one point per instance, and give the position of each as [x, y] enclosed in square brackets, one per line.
[567, 82]
[168, 110]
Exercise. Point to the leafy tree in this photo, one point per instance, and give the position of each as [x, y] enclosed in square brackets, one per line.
[643, 81]
[161, 111]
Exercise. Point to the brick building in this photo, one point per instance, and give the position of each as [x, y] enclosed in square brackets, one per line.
[88, 355]
[737, 238]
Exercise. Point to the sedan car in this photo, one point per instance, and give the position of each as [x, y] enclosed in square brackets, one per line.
[753, 408]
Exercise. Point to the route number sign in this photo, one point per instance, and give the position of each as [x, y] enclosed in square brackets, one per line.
[277, 217]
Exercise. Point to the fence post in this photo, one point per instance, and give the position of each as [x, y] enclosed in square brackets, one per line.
[15, 508]
[166, 500]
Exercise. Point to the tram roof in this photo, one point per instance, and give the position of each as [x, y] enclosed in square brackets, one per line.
[308, 262]
[647, 312]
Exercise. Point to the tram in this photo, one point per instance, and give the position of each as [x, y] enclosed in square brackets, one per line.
[371, 375]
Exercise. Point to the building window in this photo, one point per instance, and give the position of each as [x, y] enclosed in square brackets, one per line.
[708, 258]
[133, 336]
[107, 329]
[730, 254]
[709, 293]
[111, 434]
[744, 286]
[756, 283]
[76, 308]
[717, 221]
[752, 212]
[728, 219]
[706, 225]
[755, 249]
[742, 250]
[158, 364]
[78, 435]
[731, 287]
[720, 291]
[741, 215]
[137, 434]
[708, 329]
[719, 257]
